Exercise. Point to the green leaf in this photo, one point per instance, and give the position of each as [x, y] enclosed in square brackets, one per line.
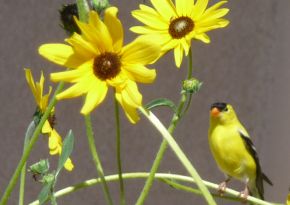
[67, 149]
[45, 193]
[161, 102]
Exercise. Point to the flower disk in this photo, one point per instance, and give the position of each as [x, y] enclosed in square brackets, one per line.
[98, 60]
[107, 66]
[180, 27]
[173, 26]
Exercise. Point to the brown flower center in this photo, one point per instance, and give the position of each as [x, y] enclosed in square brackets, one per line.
[107, 65]
[180, 27]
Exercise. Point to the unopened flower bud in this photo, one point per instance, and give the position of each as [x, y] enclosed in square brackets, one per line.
[68, 23]
[100, 5]
[191, 85]
[40, 167]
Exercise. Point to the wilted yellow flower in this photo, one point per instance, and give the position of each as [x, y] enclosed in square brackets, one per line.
[54, 139]
[173, 26]
[98, 60]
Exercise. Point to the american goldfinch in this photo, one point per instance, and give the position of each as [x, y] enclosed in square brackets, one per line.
[234, 151]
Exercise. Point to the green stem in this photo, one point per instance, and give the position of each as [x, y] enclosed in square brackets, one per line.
[96, 158]
[159, 156]
[26, 154]
[29, 132]
[119, 161]
[159, 176]
[179, 153]
[181, 187]
[190, 64]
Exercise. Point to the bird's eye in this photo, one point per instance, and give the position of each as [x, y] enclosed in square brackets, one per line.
[226, 109]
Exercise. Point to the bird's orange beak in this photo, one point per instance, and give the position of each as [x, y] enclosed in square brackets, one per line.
[214, 112]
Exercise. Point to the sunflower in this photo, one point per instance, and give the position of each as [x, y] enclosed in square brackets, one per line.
[54, 139]
[173, 26]
[98, 60]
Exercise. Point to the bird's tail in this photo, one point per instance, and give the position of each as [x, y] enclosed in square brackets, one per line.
[256, 187]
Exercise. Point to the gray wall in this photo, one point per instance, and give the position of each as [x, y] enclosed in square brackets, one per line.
[247, 64]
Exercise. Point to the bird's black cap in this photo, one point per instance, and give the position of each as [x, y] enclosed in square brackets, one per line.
[219, 105]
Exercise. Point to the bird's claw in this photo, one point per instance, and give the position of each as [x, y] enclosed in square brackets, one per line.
[222, 188]
[244, 195]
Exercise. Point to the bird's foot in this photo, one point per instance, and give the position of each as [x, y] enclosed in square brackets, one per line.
[222, 187]
[244, 195]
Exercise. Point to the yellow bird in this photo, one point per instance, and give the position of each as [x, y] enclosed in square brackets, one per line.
[234, 151]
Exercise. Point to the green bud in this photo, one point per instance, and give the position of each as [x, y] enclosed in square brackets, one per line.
[48, 178]
[191, 85]
[100, 5]
[67, 12]
[40, 167]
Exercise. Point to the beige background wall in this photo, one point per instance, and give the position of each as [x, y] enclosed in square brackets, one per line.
[246, 64]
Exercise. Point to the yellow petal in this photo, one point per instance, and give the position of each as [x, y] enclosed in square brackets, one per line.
[101, 30]
[68, 165]
[213, 8]
[199, 8]
[178, 55]
[115, 27]
[147, 30]
[46, 128]
[54, 142]
[82, 47]
[185, 46]
[184, 7]
[165, 8]
[118, 81]
[44, 100]
[220, 23]
[30, 81]
[203, 37]
[152, 20]
[61, 54]
[77, 89]
[140, 73]
[131, 95]
[214, 15]
[95, 96]
[140, 52]
[73, 75]
[131, 112]
[170, 44]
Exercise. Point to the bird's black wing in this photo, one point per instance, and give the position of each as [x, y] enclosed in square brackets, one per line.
[260, 176]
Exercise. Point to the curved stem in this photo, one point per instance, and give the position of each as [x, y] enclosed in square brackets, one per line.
[96, 158]
[181, 187]
[29, 132]
[180, 154]
[159, 156]
[187, 105]
[33, 140]
[141, 175]
[119, 161]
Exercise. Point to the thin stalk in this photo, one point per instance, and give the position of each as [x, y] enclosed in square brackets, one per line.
[159, 156]
[144, 175]
[182, 187]
[29, 132]
[190, 64]
[96, 159]
[180, 154]
[119, 161]
[26, 154]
